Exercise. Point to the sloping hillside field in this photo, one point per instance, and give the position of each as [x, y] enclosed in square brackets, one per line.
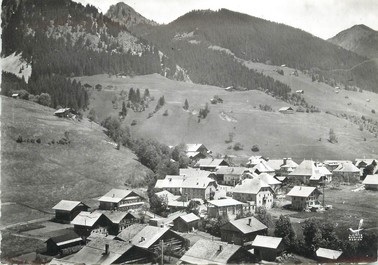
[39, 175]
[298, 135]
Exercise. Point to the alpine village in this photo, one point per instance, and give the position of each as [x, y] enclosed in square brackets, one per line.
[218, 138]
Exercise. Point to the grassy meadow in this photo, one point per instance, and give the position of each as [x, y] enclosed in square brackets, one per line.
[300, 135]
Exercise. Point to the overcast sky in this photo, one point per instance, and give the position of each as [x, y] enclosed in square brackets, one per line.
[322, 18]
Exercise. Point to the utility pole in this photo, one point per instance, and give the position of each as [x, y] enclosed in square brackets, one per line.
[162, 252]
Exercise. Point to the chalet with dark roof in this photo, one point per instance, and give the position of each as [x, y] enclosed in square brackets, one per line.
[242, 231]
[66, 211]
[121, 200]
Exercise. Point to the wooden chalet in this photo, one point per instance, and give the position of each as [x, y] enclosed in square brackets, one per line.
[211, 164]
[186, 223]
[303, 197]
[286, 110]
[225, 207]
[254, 191]
[66, 211]
[106, 251]
[214, 252]
[86, 223]
[121, 200]
[268, 248]
[242, 231]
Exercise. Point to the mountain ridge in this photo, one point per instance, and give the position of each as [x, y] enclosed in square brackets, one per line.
[127, 16]
[360, 39]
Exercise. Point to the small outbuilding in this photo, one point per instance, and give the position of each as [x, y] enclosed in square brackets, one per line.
[15, 95]
[186, 223]
[66, 211]
[286, 110]
[62, 113]
[67, 240]
[371, 182]
[328, 255]
[86, 223]
[267, 247]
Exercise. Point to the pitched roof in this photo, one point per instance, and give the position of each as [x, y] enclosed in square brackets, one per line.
[86, 218]
[192, 154]
[288, 162]
[168, 195]
[367, 161]
[323, 171]
[148, 236]
[190, 217]
[285, 108]
[170, 181]
[244, 226]
[197, 183]
[275, 163]
[336, 162]
[328, 253]
[267, 242]
[251, 186]
[210, 162]
[63, 110]
[225, 202]
[115, 195]
[68, 236]
[194, 172]
[93, 252]
[371, 180]
[114, 216]
[193, 147]
[301, 191]
[262, 167]
[347, 167]
[306, 168]
[129, 232]
[269, 179]
[65, 205]
[231, 170]
[209, 252]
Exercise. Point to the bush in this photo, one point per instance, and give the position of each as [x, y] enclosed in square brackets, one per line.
[19, 139]
[38, 140]
[134, 122]
[255, 148]
[150, 115]
[373, 111]
[238, 146]
[165, 113]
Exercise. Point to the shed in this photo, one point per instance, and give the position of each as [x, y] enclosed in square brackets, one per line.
[286, 110]
[62, 113]
[66, 211]
[119, 220]
[186, 223]
[214, 252]
[15, 95]
[267, 247]
[328, 255]
[371, 182]
[57, 244]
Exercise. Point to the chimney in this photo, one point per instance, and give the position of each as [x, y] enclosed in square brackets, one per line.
[113, 195]
[285, 161]
[141, 239]
[106, 249]
[249, 221]
[220, 248]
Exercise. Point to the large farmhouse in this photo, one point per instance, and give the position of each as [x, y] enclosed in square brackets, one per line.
[122, 200]
[254, 191]
[303, 197]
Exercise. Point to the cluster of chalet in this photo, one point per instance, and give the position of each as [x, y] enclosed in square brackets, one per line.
[122, 231]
